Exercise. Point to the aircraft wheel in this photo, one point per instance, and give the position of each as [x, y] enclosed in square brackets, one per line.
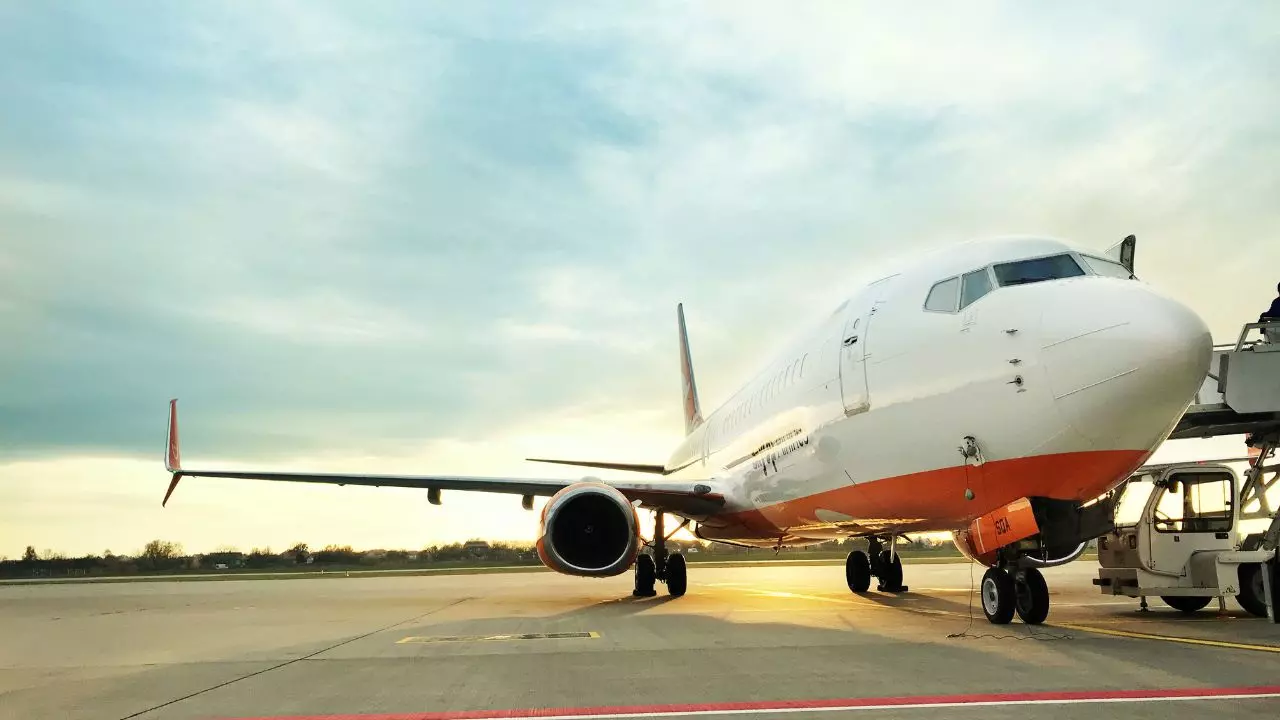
[1185, 603]
[677, 580]
[997, 596]
[646, 575]
[1252, 595]
[857, 571]
[890, 573]
[1031, 596]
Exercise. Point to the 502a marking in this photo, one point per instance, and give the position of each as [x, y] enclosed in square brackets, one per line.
[1002, 525]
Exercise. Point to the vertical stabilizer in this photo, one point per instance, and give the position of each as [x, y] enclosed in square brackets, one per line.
[692, 411]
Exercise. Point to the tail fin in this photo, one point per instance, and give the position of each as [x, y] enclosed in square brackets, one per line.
[692, 411]
[173, 456]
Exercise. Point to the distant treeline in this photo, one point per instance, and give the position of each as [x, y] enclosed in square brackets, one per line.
[161, 557]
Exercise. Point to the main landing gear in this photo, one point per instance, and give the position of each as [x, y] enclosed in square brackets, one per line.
[661, 564]
[885, 565]
[1022, 590]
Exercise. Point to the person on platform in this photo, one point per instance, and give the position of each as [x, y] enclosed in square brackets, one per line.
[1272, 314]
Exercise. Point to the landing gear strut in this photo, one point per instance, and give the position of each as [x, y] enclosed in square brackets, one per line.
[885, 565]
[661, 564]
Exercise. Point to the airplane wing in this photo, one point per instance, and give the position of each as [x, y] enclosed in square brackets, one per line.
[687, 498]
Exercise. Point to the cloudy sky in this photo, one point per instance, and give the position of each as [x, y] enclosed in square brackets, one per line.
[440, 237]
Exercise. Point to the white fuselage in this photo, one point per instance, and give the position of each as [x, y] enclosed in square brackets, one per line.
[1066, 385]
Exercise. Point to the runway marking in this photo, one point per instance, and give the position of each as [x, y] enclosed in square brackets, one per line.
[816, 706]
[490, 638]
[1171, 638]
[1168, 619]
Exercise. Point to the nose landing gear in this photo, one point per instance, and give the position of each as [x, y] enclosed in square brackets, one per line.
[1023, 591]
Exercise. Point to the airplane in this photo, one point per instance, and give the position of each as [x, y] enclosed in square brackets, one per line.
[991, 389]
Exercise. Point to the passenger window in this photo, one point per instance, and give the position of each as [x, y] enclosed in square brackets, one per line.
[1023, 272]
[976, 284]
[943, 296]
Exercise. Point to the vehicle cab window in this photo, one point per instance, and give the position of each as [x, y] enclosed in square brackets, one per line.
[975, 285]
[1195, 502]
[1023, 272]
[944, 296]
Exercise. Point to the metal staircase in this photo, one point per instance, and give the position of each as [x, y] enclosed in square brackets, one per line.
[1241, 395]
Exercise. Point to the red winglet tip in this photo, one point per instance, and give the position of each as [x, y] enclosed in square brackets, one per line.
[172, 484]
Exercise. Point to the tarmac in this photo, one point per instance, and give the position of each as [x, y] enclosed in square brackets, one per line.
[765, 641]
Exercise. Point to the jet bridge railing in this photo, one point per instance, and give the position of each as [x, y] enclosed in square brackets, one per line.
[1241, 392]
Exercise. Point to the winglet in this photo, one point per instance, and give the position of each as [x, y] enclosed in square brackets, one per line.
[692, 411]
[173, 455]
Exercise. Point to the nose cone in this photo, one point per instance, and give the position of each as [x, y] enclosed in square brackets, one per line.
[1123, 361]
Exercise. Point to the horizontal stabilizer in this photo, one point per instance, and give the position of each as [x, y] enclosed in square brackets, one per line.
[630, 467]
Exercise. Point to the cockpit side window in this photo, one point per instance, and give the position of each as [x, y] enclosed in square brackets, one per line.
[944, 296]
[1107, 268]
[1023, 272]
[976, 284]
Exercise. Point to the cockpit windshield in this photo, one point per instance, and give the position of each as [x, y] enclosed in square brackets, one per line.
[1107, 268]
[1022, 272]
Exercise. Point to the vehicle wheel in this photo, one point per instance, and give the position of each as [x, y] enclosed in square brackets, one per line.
[677, 581]
[997, 596]
[1185, 603]
[891, 572]
[1031, 596]
[646, 575]
[1252, 595]
[857, 571]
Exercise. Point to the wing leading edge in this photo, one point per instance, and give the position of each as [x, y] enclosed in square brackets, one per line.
[689, 498]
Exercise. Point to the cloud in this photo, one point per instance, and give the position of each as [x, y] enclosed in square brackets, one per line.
[339, 232]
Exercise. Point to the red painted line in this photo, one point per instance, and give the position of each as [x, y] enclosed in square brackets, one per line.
[918, 701]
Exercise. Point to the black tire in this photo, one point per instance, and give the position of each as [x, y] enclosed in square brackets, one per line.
[1252, 595]
[1031, 596]
[1185, 603]
[890, 572]
[646, 576]
[677, 580]
[997, 596]
[857, 571]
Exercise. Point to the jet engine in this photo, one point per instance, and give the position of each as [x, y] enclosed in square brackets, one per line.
[589, 529]
[1039, 554]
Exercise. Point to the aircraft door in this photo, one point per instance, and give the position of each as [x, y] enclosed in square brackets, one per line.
[853, 367]
[854, 350]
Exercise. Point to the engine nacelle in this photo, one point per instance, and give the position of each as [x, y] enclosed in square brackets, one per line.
[964, 542]
[589, 529]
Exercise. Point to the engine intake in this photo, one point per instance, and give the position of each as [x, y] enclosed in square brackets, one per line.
[589, 529]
